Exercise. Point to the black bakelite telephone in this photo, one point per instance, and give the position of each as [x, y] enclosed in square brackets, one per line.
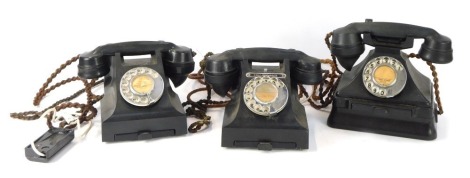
[384, 93]
[138, 101]
[264, 111]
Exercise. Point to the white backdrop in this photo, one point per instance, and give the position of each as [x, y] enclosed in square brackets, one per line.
[37, 36]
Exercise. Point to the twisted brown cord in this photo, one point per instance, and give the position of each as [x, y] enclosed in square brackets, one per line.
[87, 111]
[33, 115]
[42, 91]
[435, 80]
[199, 76]
[56, 85]
[199, 109]
[320, 94]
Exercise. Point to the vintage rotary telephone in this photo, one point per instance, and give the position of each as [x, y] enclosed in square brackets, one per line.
[138, 101]
[264, 111]
[384, 93]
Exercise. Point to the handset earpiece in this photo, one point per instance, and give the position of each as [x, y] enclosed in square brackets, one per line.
[436, 49]
[93, 65]
[178, 63]
[220, 73]
[347, 46]
[308, 71]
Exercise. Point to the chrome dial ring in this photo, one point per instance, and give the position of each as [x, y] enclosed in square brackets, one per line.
[141, 86]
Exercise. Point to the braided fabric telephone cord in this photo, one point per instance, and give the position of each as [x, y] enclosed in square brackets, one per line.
[87, 111]
[199, 109]
[320, 94]
[435, 81]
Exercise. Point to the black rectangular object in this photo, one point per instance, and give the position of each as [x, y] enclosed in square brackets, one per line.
[143, 135]
[414, 122]
[49, 143]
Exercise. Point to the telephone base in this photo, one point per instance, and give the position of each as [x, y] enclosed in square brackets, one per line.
[143, 129]
[265, 139]
[388, 119]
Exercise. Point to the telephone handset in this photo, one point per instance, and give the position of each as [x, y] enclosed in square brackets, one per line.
[138, 101]
[264, 111]
[347, 44]
[384, 93]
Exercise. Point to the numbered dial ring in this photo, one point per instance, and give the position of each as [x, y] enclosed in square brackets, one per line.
[141, 86]
[265, 95]
[384, 77]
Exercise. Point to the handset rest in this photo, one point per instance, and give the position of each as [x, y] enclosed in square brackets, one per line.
[94, 64]
[222, 69]
[348, 45]
[178, 64]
